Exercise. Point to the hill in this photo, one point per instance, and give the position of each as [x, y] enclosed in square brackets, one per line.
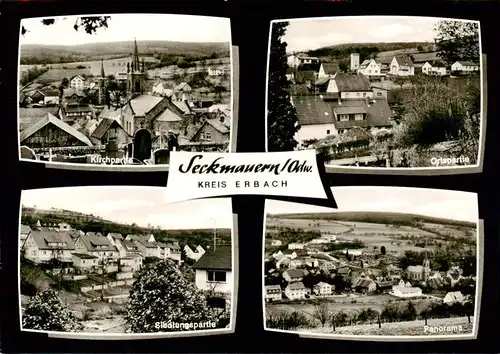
[92, 51]
[376, 217]
[339, 51]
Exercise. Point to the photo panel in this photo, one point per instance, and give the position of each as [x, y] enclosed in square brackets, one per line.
[390, 264]
[378, 94]
[121, 91]
[115, 262]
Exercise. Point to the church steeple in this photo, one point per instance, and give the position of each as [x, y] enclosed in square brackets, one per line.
[136, 64]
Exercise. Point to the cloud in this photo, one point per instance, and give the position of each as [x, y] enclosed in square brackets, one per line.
[391, 31]
[109, 206]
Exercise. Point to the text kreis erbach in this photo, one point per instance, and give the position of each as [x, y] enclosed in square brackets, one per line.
[290, 166]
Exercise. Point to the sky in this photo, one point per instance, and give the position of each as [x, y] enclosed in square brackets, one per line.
[311, 34]
[139, 205]
[438, 203]
[123, 27]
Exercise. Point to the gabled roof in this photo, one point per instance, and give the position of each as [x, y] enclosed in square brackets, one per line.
[218, 125]
[295, 286]
[168, 116]
[183, 106]
[467, 63]
[93, 242]
[77, 77]
[50, 119]
[43, 238]
[295, 273]
[71, 91]
[322, 283]
[142, 104]
[404, 60]
[25, 229]
[104, 125]
[116, 236]
[220, 258]
[183, 86]
[330, 68]
[347, 83]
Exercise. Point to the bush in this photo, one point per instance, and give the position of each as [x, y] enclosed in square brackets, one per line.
[287, 320]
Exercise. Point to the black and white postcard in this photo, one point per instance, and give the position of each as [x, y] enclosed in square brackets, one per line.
[110, 261]
[391, 263]
[124, 89]
[386, 92]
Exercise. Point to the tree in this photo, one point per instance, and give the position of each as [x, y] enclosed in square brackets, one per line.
[45, 311]
[90, 24]
[321, 312]
[161, 294]
[457, 40]
[382, 250]
[282, 121]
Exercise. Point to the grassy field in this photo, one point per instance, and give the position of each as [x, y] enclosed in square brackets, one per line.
[410, 328]
[344, 304]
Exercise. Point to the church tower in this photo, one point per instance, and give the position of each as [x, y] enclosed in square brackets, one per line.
[136, 73]
[102, 85]
[426, 266]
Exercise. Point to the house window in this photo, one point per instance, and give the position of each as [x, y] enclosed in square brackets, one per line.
[358, 117]
[216, 276]
[328, 131]
[341, 131]
[208, 136]
[358, 94]
[379, 94]
[364, 94]
[202, 136]
[344, 117]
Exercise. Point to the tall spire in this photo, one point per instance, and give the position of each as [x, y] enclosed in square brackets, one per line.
[102, 69]
[136, 65]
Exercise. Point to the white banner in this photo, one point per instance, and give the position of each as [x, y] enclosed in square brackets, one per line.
[194, 175]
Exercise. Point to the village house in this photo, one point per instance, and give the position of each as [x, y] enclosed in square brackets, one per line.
[98, 246]
[328, 70]
[290, 253]
[109, 130]
[145, 238]
[44, 246]
[322, 289]
[453, 297]
[295, 291]
[301, 59]
[402, 65]
[215, 71]
[405, 290]
[370, 67]
[124, 115]
[51, 97]
[283, 262]
[77, 82]
[182, 92]
[148, 249]
[52, 132]
[296, 263]
[464, 67]
[214, 270]
[127, 248]
[163, 89]
[114, 237]
[172, 251]
[364, 284]
[296, 246]
[85, 262]
[276, 243]
[131, 263]
[293, 275]
[435, 68]
[419, 272]
[272, 293]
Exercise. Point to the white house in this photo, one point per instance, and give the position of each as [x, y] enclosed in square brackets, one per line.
[301, 59]
[51, 97]
[296, 291]
[215, 71]
[173, 251]
[370, 67]
[464, 66]
[162, 90]
[77, 82]
[350, 87]
[276, 243]
[114, 238]
[402, 65]
[214, 270]
[85, 261]
[435, 68]
[328, 70]
[318, 241]
[64, 226]
[195, 255]
[43, 246]
[272, 293]
[404, 291]
[322, 289]
[452, 297]
[98, 246]
[132, 263]
[148, 249]
[283, 262]
[296, 246]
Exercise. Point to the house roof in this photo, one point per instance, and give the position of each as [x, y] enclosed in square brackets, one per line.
[148, 244]
[104, 125]
[168, 116]
[71, 91]
[42, 239]
[50, 119]
[183, 106]
[404, 60]
[183, 86]
[218, 125]
[50, 92]
[408, 290]
[84, 256]
[357, 109]
[111, 113]
[347, 83]
[220, 258]
[93, 242]
[454, 295]
[78, 108]
[142, 104]
[25, 229]
[116, 236]
[330, 68]
[312, 110]
[295, 286]
[273, 287]
[295, 273]
[321, 81]
[467, 63]
[363, 282]
[322, 283]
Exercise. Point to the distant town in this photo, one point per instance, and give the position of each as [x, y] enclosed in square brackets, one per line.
[132, 106]
[373, 273]
[381, 104]
[95, 270]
